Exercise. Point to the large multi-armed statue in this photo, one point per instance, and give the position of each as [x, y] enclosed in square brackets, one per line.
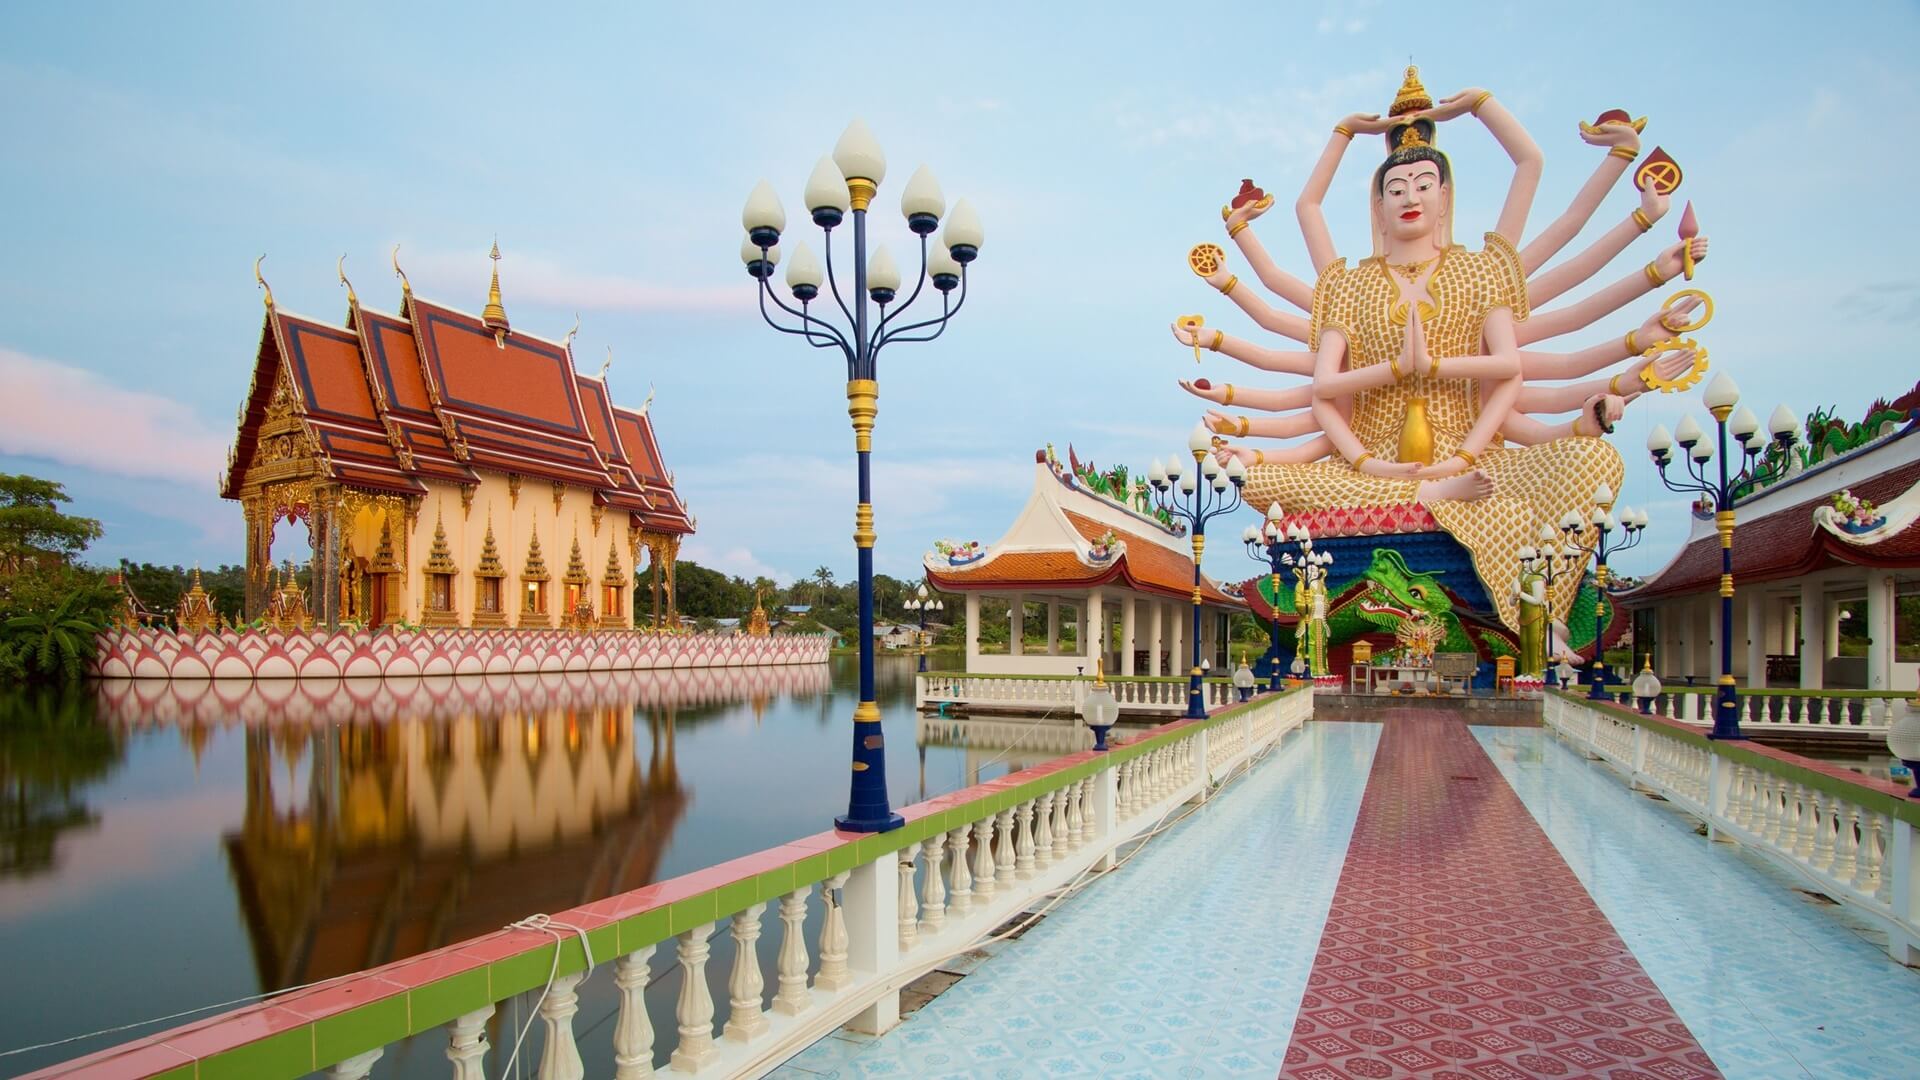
[1427, 393]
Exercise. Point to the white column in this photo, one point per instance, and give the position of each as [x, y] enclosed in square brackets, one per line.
[872, 901]
[1757, 641]
[1832, 636]
[1880, 631]
[1093, 629]
[1179, 657]
[973, 631]
[1813, 628]
[1053, 628]
[1017, 624]
[1708, 656]
[1126, 633]
[1154, 607]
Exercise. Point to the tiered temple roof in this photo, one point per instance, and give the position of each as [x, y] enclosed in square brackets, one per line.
[435, 393]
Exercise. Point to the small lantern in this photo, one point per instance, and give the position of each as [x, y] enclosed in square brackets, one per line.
[1646, 686]
[1565, 672]
[1243, 678]
[1100, 709]
[1903, 738]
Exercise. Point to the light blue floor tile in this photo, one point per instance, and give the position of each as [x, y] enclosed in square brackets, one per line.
[1770, 983]
[1146, 972]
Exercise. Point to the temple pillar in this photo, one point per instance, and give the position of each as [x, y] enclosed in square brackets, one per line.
[1017, 625]
[259, 555]
[1126, 634]
[323, 530]
[1153, 636]
[1813, 624]
[1756, 641]
[1830, 638]
[1053, 628]
[1093, 629]
[1880, 630]
[1179, 656]
[973, 631]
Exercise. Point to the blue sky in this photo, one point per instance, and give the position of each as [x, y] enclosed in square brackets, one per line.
[154, 151]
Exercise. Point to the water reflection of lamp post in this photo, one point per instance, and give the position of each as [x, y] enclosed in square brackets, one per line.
[1721, 397]
[1179, 494]
[841, 184]
[1099, 708]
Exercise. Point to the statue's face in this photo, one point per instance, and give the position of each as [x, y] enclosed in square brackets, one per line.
[1412, 200]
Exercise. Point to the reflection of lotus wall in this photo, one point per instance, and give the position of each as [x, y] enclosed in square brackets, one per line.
[161, 654]
[441, 697]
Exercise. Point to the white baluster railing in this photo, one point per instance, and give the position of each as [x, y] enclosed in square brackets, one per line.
[1858, 841]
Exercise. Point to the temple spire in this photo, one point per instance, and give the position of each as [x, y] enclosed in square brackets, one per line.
[495, 314]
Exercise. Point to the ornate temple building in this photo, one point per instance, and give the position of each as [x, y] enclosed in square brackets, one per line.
[450, 470]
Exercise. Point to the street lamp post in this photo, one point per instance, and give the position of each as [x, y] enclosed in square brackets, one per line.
[1267, 544]
[1596, 535]
[1721, 398]
[921, 603]
[841, 184]
[1182, 495]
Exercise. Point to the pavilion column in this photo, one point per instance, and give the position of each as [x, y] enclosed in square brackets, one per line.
[1093, 629]
[1053, 628]
[1126, 634]
[1880, 630]
[1017, 624]
[1813, 629]
[1153, 635]
[1179, 656]
[1706, 637]
[973, 631]
[1831, 638]
[1757, 641]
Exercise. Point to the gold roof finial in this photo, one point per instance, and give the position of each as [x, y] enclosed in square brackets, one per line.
[567, 342]
[1412, 96]
[495, 313]
[406, 287]
[341, 268]
[604, 368]
[262, 282]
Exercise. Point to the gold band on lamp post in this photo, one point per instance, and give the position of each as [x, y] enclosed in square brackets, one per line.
[860, 191]
[863, 405]
[863, 534]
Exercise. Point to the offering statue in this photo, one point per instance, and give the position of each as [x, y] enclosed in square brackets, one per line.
[1422, 386]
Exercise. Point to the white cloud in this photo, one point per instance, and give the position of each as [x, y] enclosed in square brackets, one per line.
[1293, 121]
[735, 560]
[536, 279]
[76, 417]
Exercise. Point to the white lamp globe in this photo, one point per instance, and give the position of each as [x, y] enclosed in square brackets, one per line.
[1782, 423]
[1274, 513]
[1659, 440]
[940, 265]
[1157, 473]
[804, 273]
[1187, 485]
[1236, 470]
[921, 202]
[964, 233]
[1703, 451]
[1199, 440]
[858, 154]
[764, 218]
[1744, 425]
[1603, 495]
[1688, 431]
[1721, 392]
[883, 277]
[826, 194]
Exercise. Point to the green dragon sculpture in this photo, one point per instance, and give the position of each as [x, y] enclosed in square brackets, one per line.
[1389, 591]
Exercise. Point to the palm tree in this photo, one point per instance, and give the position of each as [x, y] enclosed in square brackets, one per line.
[52, 643]
[822, 581]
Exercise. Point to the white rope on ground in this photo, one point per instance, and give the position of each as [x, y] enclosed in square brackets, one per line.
[546, 924]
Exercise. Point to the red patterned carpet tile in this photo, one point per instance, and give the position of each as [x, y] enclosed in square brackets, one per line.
[1461, 947]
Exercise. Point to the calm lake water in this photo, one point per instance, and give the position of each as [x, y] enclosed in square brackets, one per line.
[167, 846]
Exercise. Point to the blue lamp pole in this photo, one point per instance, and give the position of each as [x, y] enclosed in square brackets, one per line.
[844, 183]
[921, 603]
[1185, 495]
[1721, 397]
[1599, 539]
[1267, 544]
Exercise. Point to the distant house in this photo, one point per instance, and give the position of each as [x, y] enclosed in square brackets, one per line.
[799, 611]
[896, 635]
[727, 626]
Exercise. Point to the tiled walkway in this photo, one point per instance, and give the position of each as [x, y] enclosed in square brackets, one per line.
[1504, 909]
[1461, 945]
[1188, 962]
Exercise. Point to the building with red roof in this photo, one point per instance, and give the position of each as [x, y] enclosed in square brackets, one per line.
[450, 471]
[1077, 554]
[1834, 543]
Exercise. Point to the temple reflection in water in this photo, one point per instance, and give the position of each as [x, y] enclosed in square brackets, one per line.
[385, 818]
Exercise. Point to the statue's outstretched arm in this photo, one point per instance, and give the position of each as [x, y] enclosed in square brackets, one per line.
[1544, 325]
[1528, 162]
[1313, 223]
[1290, 426]
[1629, 382]
[1280, 322]
[1278, 281]
[1524, 430]
[1578, 365]
[1298, 397]
[1575, 271]
[1313, 449]
[1282, 360]
[1332, 381]
[1623, 143]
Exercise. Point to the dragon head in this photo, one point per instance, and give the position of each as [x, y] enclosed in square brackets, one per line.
[1393, 592]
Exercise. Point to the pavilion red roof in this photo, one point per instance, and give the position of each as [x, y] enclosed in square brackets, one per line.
[1786, 544]
[1143, 565]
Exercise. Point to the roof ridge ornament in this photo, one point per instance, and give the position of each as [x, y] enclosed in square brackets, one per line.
[605, 367]
[262, 282]
[494, 316]
[340, 268]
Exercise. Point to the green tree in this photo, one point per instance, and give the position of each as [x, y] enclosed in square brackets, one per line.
[33, 529]
[55, 643]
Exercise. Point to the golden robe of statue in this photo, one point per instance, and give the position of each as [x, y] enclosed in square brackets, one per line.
[1425, 418]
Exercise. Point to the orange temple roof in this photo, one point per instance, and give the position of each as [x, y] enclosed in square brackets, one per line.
[434, 394]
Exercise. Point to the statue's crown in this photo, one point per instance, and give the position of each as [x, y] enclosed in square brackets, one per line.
[1412, 96]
